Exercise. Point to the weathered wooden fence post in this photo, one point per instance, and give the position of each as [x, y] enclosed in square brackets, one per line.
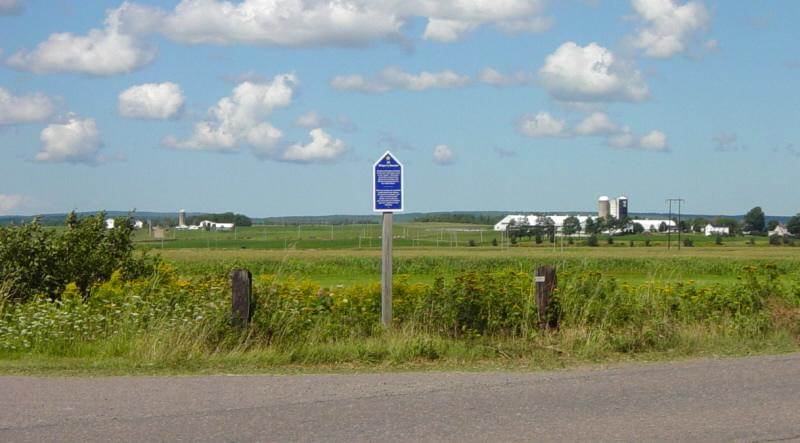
[546, 283]
[242, 290]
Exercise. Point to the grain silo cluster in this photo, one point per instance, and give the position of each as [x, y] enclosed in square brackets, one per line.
[617, 208]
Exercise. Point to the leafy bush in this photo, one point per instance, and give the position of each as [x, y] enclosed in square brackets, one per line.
[592, 240]
[688, 242]
[39, 261]
[775, 240]
[718, 240]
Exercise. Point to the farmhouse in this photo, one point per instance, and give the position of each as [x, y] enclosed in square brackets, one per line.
[779, 231]
[710, 230]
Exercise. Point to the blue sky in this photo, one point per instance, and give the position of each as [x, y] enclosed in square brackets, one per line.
[280, 107]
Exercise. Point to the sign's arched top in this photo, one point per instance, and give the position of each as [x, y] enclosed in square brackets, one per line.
[387, 184]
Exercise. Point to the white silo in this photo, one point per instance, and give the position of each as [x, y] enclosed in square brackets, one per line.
[622, 207]
[182, 217]
[603, 207]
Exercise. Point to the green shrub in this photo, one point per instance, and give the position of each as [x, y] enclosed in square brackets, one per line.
[39, 261]
[592, 240]
[688, 242]
[775, 240]
[718, 240]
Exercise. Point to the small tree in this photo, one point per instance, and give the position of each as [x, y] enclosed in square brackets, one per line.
[772, 224]
[775, 240]
[794, 225]
[699, 224]
[592, 240]
[589, 227]
[571, 226]
[718, 240]
[662, 227]
[494, 241]
[638, 228]
[754, 221]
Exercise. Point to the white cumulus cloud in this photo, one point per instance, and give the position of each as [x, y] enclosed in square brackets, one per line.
[668, 27]
[237, 117]
[448, 21]
[394, 78]
[306, 23]
[264, 140]
[655, 141]
[24, 108]
[543, 125]
[590, 73]
[323, 148]
[281, 22]
[493, 77]
[598, 123]
[76, 140]
[443, 155]
[114, 49]
[151, 100]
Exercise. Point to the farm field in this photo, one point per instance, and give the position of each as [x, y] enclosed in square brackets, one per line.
[350, 254]
[407, 235]
[466, 303]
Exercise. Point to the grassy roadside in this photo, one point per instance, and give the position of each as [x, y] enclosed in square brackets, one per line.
[478, 314]
[390, 352]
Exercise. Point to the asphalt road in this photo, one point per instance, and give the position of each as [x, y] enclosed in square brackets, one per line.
[750, 399]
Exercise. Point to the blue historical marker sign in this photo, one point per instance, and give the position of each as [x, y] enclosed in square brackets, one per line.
[387, 184]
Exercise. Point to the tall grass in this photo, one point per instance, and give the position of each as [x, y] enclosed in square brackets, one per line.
[477, 315]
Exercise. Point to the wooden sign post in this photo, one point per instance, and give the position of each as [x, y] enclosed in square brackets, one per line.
[387, 194]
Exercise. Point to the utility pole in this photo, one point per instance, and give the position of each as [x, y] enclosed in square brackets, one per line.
[669, 201]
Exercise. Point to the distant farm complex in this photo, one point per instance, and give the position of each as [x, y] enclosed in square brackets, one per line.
[611, 217]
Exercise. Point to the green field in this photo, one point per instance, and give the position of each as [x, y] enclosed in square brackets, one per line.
[406, 235]
[349, 254]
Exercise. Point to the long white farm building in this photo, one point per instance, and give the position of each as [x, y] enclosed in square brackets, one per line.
[558, 222]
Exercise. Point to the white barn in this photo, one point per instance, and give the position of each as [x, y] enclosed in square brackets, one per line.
[208, 224]
[533, 220]
[710, 230]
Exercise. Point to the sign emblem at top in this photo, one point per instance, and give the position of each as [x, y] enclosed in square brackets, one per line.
[387, 184]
